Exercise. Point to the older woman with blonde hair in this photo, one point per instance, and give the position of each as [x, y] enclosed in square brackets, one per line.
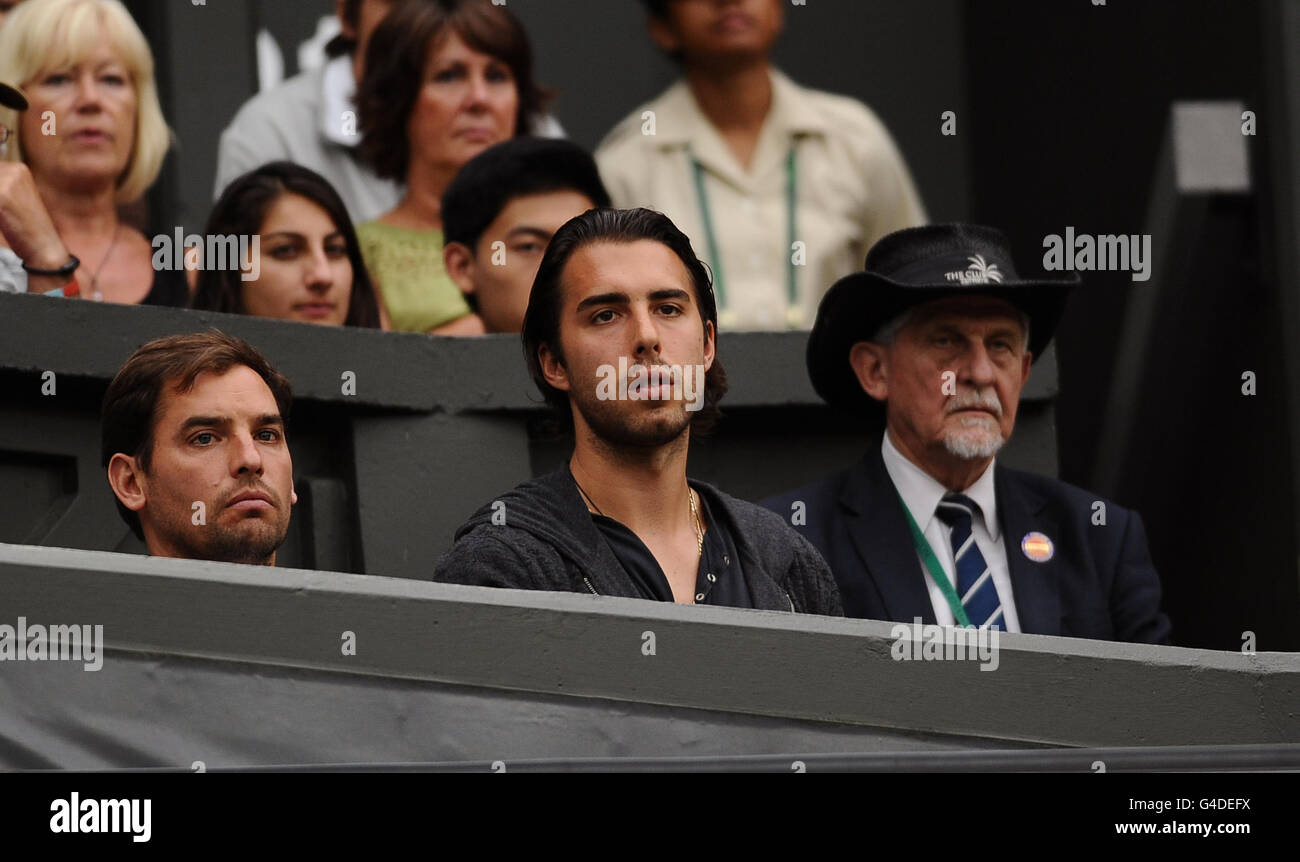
[91, 139]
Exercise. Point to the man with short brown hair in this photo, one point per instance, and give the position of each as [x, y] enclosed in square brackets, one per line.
[193, 438]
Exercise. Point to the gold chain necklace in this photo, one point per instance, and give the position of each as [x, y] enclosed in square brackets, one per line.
[695, 515]
[690, 498]
[591, 504]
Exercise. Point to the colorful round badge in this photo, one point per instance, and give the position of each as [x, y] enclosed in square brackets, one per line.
[1037, 547]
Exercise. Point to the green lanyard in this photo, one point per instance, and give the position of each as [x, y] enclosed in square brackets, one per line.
[791, 197]
[936, 571]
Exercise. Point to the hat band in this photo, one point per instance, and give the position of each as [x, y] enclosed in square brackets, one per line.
[957, 269]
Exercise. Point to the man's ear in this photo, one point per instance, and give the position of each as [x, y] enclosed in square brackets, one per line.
[710, 344]
[128, 482]
[868, 361]
[459, 263]
[661, 31]
[1026, 363]
[553, 368]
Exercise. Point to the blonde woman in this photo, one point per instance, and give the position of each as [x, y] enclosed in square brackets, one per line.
[92, 138]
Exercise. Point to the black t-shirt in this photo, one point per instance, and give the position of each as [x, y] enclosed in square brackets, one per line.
[719, 580]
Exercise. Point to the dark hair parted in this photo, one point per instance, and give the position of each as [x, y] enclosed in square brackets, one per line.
[397, 59]
[134, 397]
[542, 319]
[241, 210]
[514, 169]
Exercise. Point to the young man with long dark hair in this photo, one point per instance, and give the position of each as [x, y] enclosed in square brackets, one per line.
[620, 336]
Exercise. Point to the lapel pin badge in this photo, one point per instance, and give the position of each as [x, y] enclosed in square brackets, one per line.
[1037, 547]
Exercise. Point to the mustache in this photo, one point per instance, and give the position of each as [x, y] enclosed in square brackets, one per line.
[664, 372]
[967, 399]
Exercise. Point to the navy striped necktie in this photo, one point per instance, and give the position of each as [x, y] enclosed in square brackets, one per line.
[979, 596]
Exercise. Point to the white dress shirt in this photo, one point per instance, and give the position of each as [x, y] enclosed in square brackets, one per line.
[921, 494]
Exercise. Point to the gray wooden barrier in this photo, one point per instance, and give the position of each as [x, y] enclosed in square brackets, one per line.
[238, 666]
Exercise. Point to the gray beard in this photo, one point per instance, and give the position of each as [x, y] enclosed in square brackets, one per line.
[973, 444]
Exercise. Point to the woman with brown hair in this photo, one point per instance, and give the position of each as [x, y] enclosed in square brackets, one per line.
[444, 80]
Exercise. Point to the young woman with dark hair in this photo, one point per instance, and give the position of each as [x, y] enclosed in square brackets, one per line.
[309, 265]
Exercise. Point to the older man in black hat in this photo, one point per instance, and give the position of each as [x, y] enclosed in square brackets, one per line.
[941, 332]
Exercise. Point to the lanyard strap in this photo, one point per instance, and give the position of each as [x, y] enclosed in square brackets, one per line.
[791, 198]
[936, 571]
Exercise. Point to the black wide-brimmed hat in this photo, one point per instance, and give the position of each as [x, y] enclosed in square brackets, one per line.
[910, 267]
[12, 97]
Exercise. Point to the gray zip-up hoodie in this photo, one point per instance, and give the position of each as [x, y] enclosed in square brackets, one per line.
[540, 536]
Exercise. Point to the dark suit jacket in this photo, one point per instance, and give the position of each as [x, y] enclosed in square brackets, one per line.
[1100, 583]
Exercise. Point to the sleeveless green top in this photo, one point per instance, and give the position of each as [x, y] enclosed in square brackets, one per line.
[407, 264]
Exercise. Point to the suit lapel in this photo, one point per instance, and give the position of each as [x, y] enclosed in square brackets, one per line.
[1035, 585]
[883, 541]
